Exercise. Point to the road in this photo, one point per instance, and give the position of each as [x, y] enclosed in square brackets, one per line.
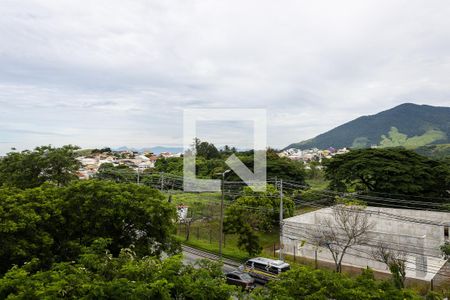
[191, 255]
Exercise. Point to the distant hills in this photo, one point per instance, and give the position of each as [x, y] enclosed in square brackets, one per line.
[156, 150]
[408, 125]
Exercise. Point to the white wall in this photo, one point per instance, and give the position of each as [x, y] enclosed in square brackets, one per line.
[401, 229]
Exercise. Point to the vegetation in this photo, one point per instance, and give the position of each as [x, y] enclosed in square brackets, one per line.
[440, 151]
[97, 274]
[395, 260]
[397, 139]
[52, 224]
[390, 171]
[305, 283]
[210, 165]
[445, 249]
[422, 124]
[121, 173]
[348, 227]
[110, 239]
[28, 169]
[255, 211]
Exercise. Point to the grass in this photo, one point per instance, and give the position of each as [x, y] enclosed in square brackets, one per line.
[228, 251]
[192, 198]
[396, 139]
[304, 209]
[317, 184]
[204, 235]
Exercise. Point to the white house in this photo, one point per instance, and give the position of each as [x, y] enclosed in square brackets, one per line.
[416, 232]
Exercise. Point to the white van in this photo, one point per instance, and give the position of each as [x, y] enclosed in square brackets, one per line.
[264, 269]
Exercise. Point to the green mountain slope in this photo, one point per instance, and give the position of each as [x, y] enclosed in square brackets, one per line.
[441, 151]
[408, 125]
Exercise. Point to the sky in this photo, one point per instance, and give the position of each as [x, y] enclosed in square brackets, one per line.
[113, 73]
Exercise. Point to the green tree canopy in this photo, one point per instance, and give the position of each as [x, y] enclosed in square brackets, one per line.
[205, 149]
[28, 169]
[253, 212]
[305, 283]
[53, 224]
[97, 274]
[280, 167]
[121, 173]
[391, 171]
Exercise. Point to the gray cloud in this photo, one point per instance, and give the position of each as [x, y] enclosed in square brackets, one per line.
[114, 73]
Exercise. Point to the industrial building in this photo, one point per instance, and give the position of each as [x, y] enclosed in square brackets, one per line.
[418, 233]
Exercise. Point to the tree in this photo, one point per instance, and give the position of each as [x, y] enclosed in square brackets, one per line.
[347, 228]
[53, 224]
[121, 173]
[305, 283]
[205, 149]
[105, 150]
[390, 171]
[27, 218]
[314, 196]
[29, 169]
[126, 213]
[172, 165]
[97, 274]
[237, 223]
[445, 249]
[210, 163]
[197, 211]
[276, 166]
[253, 212]
[315, 171]
[395, 260]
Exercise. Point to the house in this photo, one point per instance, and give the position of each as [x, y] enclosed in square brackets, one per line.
[419, 234]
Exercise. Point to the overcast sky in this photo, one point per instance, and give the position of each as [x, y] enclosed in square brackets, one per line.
[112, 73]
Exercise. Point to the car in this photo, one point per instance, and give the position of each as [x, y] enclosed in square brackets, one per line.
[241, 279]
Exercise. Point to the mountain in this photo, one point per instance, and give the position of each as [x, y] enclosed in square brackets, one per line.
[159, 149]
[156, 150]
[408, 125]
[440, 151]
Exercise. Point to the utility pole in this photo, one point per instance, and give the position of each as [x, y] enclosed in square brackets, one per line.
[162, 182]
[221, 213]
[280, 252]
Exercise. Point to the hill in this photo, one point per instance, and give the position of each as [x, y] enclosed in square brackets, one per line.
[156, 150]
[408, 125]
[440, 151]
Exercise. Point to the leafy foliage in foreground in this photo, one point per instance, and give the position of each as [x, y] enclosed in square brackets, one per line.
[97, 274]
[53, 224]
[305, 283]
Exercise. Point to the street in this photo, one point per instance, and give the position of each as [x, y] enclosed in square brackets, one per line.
[191, 255]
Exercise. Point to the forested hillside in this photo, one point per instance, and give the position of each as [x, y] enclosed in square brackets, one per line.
[408, 125]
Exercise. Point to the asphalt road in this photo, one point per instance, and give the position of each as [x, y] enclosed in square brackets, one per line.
[191, 255]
